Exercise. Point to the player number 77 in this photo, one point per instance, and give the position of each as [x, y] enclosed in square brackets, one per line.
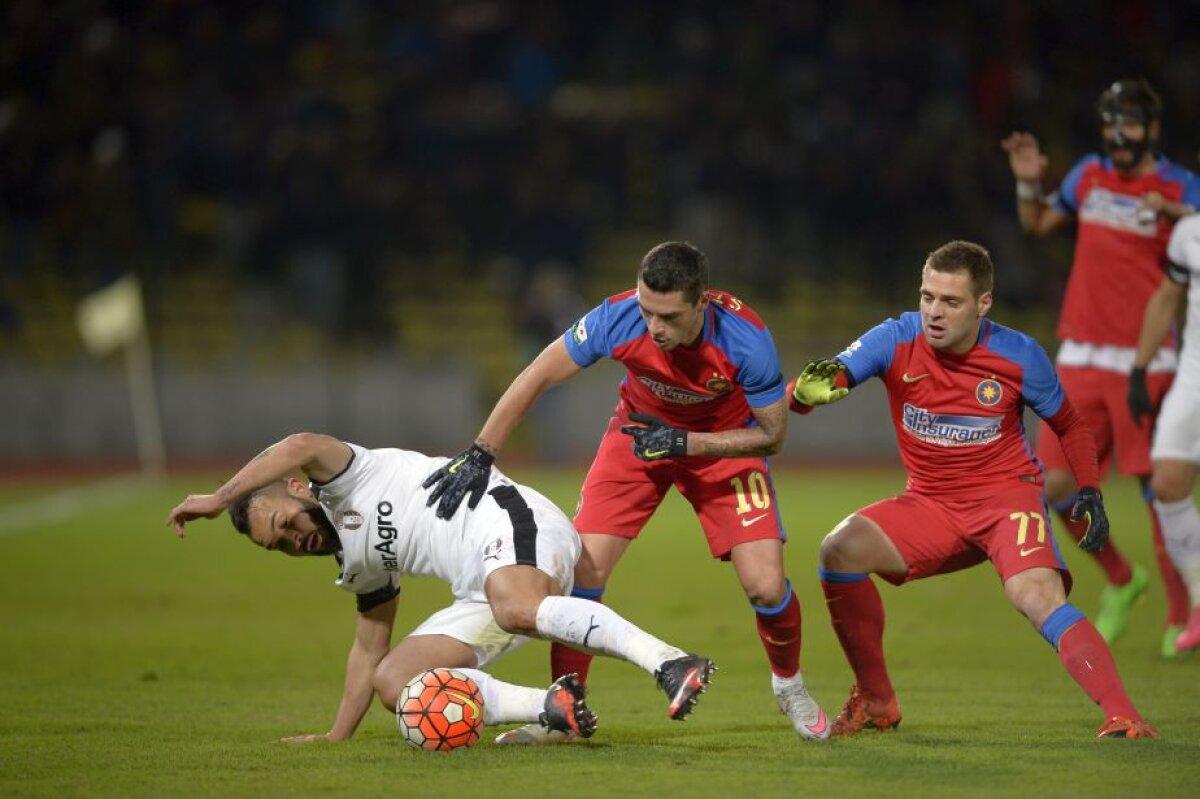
[1022, 520]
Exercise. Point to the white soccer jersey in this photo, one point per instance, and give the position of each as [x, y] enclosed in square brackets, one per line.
[1183, 256]
[377, 506]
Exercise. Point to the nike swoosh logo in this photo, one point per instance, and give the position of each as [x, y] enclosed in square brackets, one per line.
[658, 453]
[913, 379]
[1029, 551]
[454, 467]
[748, 522]
[819, 727]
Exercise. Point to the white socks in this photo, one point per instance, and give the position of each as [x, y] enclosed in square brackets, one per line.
[505, 703]
[1181, 533]
[593, 627]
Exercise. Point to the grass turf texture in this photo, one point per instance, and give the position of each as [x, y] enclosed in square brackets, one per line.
[134, 664]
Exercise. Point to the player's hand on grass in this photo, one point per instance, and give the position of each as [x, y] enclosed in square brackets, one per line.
[816, 384]
[466, 473]
[1139, 395]
[196, 506]
[305, 739]
[1024, 156]
[1090, 505]
[654, 439]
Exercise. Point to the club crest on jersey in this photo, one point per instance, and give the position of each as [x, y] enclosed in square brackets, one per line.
[988, 392]
[947, 430]
[579, 331]
[718, 384]
[348, 520]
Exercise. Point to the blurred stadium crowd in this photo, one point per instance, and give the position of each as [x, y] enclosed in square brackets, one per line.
[333, 170]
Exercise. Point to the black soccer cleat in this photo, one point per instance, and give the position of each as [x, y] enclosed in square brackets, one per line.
[684, 679]
[565, 709]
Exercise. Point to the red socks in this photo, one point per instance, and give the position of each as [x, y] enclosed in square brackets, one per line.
[1090, 663]
[856, 610]
[779, 630]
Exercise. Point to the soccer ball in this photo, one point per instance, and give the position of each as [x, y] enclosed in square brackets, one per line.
[440, 709]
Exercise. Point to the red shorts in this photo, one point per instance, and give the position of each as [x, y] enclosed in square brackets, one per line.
[938, 536]
[1101, 397]
[734, 498]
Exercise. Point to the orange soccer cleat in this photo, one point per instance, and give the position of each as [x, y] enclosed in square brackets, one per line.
[865, 712]
[1121, 727]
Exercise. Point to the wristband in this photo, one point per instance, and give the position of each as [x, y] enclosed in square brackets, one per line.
[1029, 191]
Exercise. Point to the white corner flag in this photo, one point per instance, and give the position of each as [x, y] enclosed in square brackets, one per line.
[114, 318]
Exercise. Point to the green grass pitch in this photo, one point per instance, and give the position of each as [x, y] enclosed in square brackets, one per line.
[135, 664]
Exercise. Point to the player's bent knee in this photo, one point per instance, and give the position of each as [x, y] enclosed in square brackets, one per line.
[765, 591]
[843, 548]
[387, 686]
[1170, 485]
[516, 617]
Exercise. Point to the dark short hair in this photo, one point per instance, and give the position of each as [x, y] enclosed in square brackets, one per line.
[964, 256]
[239, 511]
[1130, 96]
[675, 266]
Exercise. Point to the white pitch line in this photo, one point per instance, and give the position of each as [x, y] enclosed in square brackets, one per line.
[62, 506]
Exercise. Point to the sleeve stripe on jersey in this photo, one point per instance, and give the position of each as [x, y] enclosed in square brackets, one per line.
[377, 597]
[1179, 273]
[524, 526]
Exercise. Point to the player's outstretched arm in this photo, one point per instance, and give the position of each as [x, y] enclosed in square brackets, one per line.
[372, 637]
[320, 457]
[821, 382]
[467, 473]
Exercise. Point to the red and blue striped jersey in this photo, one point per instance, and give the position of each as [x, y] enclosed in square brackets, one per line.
[1120, 253]
[709, 386]
[959, 418]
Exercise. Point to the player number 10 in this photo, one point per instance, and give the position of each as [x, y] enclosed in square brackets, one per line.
[1022, 520]
[753, 490]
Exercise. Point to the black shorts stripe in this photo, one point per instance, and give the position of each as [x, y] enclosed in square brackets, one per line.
[524, 527]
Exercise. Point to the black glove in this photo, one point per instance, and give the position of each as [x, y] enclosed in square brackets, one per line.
[1090, 505]
[653, 439]
[1139, 395]
[466, 472]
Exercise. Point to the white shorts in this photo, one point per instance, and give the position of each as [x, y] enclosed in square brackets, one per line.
[1177, 431]
[522, 527]
[474, 625]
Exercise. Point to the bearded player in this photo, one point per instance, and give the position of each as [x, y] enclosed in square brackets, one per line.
[508, 566]
[957, 387]
[1125, 203]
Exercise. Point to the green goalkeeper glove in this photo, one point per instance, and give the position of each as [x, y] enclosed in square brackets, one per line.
[815, 385]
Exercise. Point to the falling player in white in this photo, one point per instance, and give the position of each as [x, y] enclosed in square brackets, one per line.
[510, 565]
[1176, 451]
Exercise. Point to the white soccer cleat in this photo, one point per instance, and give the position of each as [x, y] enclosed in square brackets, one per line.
[801, 709]
[533, 735]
